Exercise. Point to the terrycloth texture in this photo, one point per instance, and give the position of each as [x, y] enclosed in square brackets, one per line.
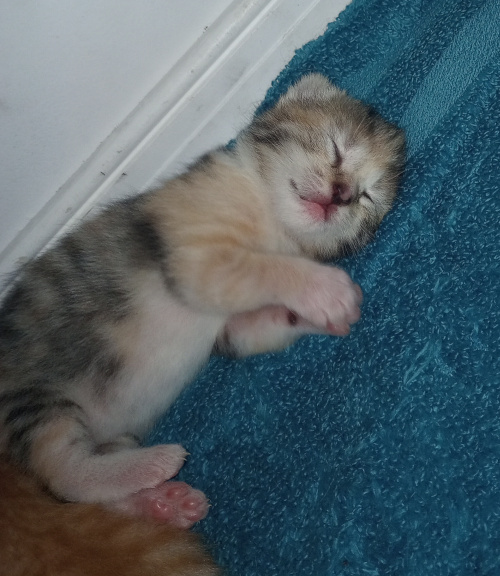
[379, 454]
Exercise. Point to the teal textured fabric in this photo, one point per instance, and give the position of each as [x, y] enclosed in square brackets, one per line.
[379, 454]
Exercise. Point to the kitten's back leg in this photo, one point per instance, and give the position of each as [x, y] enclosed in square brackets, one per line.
[174, 503]
[65, 457]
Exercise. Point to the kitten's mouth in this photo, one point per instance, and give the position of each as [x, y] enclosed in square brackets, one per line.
[322, 209]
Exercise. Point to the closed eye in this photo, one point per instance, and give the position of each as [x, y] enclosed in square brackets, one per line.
[366, 195]
[338, 158]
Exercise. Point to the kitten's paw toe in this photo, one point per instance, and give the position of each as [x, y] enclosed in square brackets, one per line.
[160, 463]
[174, 503]
[332, 300]
[338, 329]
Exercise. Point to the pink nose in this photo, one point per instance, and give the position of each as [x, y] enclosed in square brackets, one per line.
[341, 193]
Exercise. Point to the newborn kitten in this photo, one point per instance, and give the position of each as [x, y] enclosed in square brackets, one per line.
[41, 536]
[101, 333]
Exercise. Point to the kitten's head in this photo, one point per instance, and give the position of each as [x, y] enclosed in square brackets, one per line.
[332, 164]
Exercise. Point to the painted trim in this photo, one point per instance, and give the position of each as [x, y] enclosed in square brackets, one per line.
[200, 103]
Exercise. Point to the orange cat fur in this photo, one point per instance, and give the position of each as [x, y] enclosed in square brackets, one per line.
[42, 537]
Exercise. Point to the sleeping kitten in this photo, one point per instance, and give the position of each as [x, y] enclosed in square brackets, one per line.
[101, 333]
[41, 536]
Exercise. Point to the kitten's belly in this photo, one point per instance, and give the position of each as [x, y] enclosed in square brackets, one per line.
[164, 345]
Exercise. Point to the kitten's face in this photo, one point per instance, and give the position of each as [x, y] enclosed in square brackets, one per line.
[332, 163]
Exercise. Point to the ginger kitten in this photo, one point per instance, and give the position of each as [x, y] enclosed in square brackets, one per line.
[41, 536]
[100, 333]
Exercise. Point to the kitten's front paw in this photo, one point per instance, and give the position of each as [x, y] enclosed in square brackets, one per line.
[331, 301]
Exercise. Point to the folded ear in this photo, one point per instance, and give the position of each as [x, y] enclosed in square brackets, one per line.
[311, 87]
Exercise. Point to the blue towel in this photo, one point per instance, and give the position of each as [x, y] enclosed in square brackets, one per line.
[379, 454]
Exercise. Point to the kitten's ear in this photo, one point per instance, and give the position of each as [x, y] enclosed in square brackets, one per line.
[311, 87]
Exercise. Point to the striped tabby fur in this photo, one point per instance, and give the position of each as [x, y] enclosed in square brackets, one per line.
[100, 333]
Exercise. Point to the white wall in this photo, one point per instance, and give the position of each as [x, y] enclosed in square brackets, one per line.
[71, 71]
[91, 91]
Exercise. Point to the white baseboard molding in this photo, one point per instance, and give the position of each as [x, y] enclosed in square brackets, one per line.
[200, 103]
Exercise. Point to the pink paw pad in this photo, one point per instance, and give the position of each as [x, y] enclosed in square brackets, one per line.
[174, 503]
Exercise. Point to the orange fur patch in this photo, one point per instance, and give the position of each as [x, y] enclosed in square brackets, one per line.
[39, 535]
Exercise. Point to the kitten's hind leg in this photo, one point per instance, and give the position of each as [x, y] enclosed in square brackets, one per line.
[120, 443]
[174, 503]
[65, 457]
[265, 330]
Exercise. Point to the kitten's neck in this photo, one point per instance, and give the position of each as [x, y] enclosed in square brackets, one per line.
[250, 163]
